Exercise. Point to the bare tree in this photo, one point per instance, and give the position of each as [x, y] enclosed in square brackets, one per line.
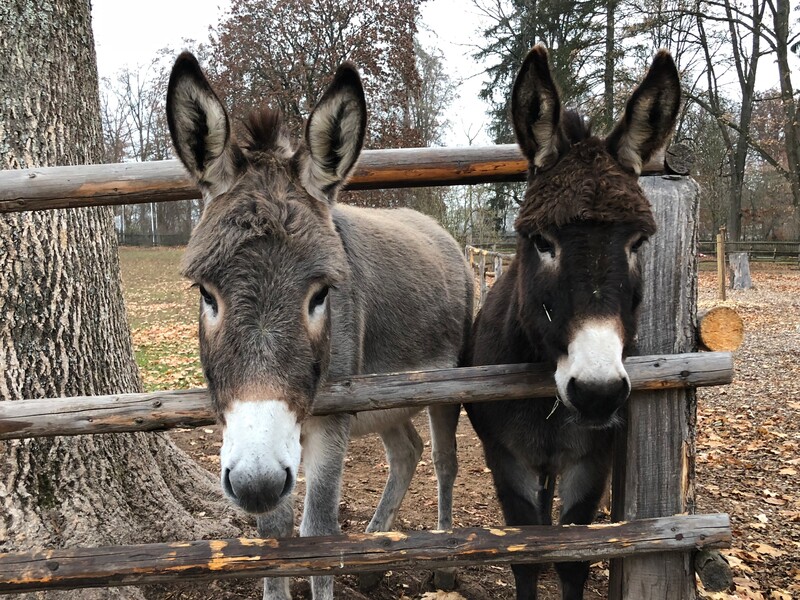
[135, 128]
[781, 40]
[283, 53]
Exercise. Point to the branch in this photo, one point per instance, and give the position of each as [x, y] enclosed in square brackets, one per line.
[744, 134]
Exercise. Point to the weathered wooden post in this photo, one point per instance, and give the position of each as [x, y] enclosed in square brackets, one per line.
[498, 266]
[482, 276]
[721, 263]
[655, 457]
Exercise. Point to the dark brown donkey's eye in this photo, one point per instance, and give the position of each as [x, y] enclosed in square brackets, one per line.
[638, 244]
[543, 245]
[317, 300]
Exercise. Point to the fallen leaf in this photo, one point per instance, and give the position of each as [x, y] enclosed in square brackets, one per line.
[768, 550]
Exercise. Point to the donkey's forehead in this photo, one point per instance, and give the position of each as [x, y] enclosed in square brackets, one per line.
[587, 184]
[300, 226]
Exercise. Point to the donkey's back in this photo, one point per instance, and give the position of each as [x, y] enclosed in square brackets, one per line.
[413, 288]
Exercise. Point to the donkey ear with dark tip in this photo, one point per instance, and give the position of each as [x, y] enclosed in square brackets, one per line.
[650, 115]
[335, 133]
[536, 110]
[199, 127]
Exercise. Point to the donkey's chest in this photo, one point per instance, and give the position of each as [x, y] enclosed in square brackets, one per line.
[546, 445]
[552, 449]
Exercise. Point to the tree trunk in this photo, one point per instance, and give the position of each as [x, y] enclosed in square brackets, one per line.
[608, 72]
[792, 127]
[63, 328]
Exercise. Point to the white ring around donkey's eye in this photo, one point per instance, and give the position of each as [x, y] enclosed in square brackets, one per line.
[318, 304]
[209, 307]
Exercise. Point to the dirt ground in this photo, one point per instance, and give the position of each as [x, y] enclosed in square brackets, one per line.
[748, 441]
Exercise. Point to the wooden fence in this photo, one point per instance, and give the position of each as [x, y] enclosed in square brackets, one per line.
[651, 546]
[482, 260]
[756, 250]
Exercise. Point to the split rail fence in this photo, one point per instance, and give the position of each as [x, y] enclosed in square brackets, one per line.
[652, 542]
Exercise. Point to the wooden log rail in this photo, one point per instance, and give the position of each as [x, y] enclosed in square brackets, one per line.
[192, 408]
[218, 559]
[163, 181]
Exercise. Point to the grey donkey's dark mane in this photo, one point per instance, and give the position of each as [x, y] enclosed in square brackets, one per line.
[262, 130]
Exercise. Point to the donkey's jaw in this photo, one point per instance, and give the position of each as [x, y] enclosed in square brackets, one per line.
[591, 378]
[260, 454]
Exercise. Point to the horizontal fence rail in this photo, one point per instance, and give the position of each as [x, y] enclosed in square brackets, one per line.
[218, 559]
[758, 250]
[192, 408]
[163, 181]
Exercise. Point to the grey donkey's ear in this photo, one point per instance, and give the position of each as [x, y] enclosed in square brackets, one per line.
[649, 117]
[536, 111]
[199, 126]
[335, 134]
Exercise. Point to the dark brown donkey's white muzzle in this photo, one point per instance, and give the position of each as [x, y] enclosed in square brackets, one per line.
[591, 379]
[260, 454]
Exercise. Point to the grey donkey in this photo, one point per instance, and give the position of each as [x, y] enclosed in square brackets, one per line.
[296, 289]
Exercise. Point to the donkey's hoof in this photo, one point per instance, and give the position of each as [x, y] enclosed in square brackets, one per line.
[445, 579]
[369, 581]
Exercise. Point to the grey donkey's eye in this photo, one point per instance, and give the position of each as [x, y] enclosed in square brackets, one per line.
[210, 301]
[317, 300]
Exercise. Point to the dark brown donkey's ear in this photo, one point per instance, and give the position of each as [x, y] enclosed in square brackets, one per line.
[536, 111]
[649, 117]
[199, 127]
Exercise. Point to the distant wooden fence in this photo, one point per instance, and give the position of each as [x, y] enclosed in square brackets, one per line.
[654, 467]
[757, 250]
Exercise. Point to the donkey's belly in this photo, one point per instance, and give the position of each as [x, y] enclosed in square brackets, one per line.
[375, 421]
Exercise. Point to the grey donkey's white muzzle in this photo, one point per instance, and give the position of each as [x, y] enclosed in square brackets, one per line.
[260, 454]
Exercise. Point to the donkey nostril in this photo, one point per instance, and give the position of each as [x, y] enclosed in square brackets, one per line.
[226, 482]
[572, 389]
[289, 484]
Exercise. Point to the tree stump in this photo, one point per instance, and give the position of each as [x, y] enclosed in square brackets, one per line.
[740, 271]
[720, 329]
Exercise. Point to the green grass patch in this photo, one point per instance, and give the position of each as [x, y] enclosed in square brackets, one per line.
[162, 312]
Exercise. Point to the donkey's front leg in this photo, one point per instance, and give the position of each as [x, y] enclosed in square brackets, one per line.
[582, 486]
[324, 449]
[403, 450]
[444, 422]
[277, 523]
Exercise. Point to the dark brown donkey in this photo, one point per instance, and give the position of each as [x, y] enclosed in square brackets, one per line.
[295, 289]
[570, 298]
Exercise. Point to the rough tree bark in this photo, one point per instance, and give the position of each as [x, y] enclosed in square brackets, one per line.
[781, 13]
[63, 328]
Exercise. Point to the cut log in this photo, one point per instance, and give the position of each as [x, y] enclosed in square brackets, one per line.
[679, 159]
[713, 570]
[740, 271]
[720, 329]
